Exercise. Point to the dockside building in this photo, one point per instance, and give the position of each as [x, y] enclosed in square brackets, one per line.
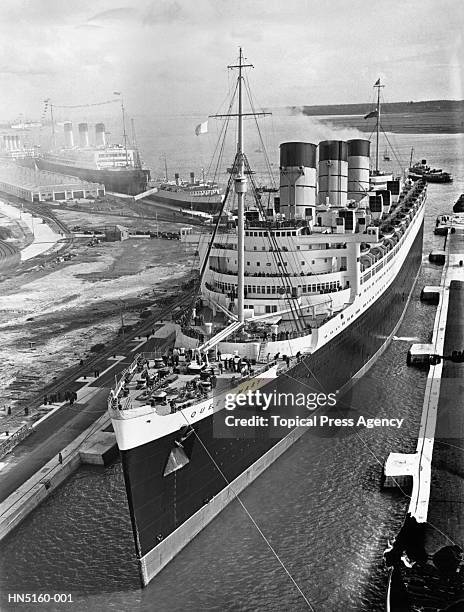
[35, 185]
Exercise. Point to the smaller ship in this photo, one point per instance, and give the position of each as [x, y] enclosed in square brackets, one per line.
[386, 155]
[459, 205]
[421, 170]
[198, 195]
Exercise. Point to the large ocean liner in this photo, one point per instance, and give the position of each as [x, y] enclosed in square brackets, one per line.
[117, 166]
[300, 295]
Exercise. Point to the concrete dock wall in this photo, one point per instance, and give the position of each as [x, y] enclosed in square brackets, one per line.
[25, 499]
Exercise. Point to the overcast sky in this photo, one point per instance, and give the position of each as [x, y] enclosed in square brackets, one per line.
[169, 56]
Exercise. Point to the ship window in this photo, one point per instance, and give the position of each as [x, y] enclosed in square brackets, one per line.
[303, 263]
[298, 247]
[248, 263]
[258, 263]
[254, 248]
[263, 248]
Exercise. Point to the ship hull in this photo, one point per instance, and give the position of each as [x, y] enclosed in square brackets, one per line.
[431, 178]
[168, 511]
[209, 205]
[130, 181]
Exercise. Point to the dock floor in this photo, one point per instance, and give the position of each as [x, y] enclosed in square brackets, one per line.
[446, 504]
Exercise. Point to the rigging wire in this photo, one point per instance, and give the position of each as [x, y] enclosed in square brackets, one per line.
[86, 105]
[247, 512]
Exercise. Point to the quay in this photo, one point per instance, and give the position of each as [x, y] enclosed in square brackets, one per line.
[427, 552]
[68, 435]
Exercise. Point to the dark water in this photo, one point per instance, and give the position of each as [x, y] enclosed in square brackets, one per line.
[320, 505]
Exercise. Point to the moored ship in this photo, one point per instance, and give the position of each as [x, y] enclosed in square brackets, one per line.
[298, 297]
[118, 167]
[200, 195]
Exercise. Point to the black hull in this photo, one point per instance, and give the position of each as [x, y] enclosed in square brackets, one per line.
[159, 505]
[205, 205]
[129, 181]
[430, 178]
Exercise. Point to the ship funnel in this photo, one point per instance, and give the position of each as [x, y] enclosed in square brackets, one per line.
[333, 172]
[192, 178]
[83, 135]
[68, 135]
[298, 180]
[100, 137]
[358, 168]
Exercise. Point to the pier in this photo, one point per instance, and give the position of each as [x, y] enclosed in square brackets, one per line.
[425, 559]
[443, 406]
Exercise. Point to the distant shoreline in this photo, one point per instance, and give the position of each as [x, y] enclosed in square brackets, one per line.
[427, 117]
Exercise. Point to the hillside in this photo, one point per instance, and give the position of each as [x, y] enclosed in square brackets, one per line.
[426, 106]
[431, 116]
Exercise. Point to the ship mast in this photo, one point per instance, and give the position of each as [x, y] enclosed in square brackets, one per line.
[240, 181]
[410, 158]
[118, 93]
[240, 190]
[378, 86]
[52, 121]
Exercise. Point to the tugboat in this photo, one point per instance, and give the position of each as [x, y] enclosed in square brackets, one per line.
[296, 298]
[421, 170]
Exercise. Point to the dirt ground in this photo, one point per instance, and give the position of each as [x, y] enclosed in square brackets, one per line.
[51, 314]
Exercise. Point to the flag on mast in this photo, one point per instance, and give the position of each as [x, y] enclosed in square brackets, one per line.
[202, 128]
[377, 83]
[374, 113]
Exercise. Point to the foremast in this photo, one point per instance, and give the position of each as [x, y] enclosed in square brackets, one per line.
[240, 185]
[378, 86]
[240, 190]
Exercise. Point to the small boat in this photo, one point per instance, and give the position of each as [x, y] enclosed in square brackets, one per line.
[386, 155]
[421, 170]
